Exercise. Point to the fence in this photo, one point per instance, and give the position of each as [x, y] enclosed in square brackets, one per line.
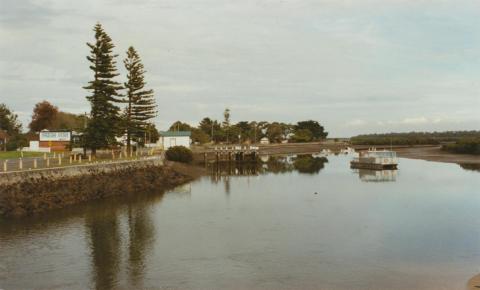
[54, 160]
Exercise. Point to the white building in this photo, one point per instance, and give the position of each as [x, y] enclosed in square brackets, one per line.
[174, 138]
[264, 140]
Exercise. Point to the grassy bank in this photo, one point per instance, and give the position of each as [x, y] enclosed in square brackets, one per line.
[18, 154]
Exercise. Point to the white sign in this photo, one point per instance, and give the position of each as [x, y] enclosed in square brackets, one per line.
[54, 136]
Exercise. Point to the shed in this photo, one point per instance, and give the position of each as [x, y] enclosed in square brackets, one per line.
[174, 138]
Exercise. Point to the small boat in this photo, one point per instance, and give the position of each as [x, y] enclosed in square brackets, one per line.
[377, 160]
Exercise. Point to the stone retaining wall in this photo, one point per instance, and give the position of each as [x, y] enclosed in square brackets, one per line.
[33, 192]
[55, 173]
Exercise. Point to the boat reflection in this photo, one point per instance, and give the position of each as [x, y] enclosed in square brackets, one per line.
[367, 175]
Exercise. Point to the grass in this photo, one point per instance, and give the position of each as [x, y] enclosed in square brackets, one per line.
[17, 154]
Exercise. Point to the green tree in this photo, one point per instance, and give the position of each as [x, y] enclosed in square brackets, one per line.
[12, 127]
[69, 121]
[104, 119]
[200, 136]
[180, 126]
[302, 135]
[318, 132]
[9, 121]
[141, 105]
[44, 115]
[275, 132]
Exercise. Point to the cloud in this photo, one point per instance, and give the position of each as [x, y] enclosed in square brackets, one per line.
[352, 65]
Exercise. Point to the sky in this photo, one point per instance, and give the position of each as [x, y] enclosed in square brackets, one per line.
[358, 66]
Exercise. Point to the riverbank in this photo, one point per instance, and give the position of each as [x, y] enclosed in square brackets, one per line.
[30, 193]
[435, 153]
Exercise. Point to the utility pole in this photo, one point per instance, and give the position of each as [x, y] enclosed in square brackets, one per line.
[211, 135]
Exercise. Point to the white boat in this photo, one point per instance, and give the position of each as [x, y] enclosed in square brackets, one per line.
[373, 159]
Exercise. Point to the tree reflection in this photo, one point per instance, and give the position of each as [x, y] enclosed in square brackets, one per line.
[103, 232]
[309, 164]
[470, 166]
[141, 237]
[273, 164]
[103, 227]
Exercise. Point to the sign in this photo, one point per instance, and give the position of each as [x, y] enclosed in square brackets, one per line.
[55, 136]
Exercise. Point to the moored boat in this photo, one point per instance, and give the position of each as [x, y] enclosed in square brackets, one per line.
[373, 159]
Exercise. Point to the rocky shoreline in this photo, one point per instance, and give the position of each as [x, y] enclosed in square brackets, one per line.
[41, 192]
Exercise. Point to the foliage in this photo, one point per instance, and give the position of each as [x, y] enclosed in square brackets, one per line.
[249, 131]
[69, 121]
[309, 164]
[302, 135]
[9, 123]
[318, 132]
[179, 154]
[152, 132]
[44, 115]
[198, 136]
[179, 126]
[140, 102]
[413, 138]
[104, 120]
[464, 146]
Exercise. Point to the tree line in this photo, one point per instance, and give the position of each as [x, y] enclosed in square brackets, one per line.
[215, 131]
[413, 138]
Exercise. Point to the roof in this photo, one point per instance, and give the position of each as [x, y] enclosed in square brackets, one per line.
[176, 133]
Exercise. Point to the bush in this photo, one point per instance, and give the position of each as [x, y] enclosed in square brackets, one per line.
[464, 146]
[180, 154]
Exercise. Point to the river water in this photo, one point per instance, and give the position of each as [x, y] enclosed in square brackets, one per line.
[305, 222]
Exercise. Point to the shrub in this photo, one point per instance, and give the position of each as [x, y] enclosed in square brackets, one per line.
[464, 146]
[180, 154]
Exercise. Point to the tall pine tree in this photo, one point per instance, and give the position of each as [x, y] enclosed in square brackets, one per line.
[104, 116]
[141, 105]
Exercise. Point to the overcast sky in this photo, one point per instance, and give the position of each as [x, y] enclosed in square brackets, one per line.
[355, 66]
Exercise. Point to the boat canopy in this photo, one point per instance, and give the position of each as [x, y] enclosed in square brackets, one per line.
[381, 154]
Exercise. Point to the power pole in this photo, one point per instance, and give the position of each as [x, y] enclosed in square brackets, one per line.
[211, 135]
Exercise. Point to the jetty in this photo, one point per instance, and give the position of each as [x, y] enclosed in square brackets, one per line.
[230, 153]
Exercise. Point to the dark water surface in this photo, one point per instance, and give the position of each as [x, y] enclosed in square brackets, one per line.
[262, 228]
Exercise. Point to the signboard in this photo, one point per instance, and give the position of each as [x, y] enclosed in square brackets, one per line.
[55, 136]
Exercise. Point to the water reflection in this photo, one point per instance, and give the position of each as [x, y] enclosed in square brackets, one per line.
[368, 175]
[102, 229]
[307, 164]
[470, 166]
[141, 237]
[272, 233]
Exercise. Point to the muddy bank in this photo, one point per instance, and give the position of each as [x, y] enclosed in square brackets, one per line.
[436, 154]
[41, 193]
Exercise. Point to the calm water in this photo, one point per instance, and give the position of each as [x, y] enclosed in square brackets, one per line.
[418, 228]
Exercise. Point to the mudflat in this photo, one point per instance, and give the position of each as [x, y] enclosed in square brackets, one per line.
[435, 153]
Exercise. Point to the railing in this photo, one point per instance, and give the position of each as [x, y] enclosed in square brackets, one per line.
[55, 160]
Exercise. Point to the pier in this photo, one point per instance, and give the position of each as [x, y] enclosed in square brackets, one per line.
[231, 153]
